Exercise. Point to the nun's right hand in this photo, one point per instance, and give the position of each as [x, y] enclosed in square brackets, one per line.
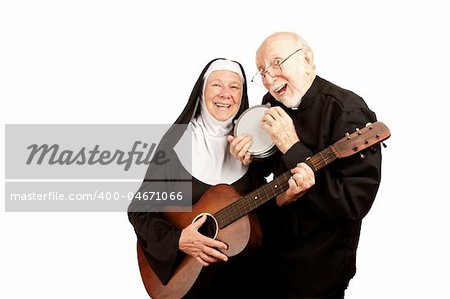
[239, 148]
[203, 249]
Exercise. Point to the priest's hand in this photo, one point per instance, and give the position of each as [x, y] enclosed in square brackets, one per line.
[301, 180]
[203, 249]
[280, 127]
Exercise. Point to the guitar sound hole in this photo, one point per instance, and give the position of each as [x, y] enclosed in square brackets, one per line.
[209, 227]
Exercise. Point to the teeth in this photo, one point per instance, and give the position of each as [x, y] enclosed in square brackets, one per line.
[280, 88]
[223, 105]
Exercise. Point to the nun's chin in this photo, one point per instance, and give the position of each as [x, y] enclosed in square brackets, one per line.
[223, 114]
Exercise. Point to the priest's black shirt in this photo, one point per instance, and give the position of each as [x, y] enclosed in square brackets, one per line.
[310, 245]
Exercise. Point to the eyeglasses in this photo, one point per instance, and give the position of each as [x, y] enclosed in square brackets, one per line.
[272, 70]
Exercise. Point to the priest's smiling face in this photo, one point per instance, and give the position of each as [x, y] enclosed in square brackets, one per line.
[223, 94]
[285, 64]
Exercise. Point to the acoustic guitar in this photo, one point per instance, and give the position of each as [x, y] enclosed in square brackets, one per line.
[228, 218]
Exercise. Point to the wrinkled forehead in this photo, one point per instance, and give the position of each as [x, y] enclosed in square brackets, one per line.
[274, 48]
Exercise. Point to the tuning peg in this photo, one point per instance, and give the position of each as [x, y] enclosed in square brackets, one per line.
[384, 144]
[369, 125]
[362, 155]
[359, 132]
[347, 135]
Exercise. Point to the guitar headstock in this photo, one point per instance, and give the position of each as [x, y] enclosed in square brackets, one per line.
[363, 138]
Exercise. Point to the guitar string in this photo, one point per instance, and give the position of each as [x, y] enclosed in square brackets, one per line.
[254, 198]
[245, 204]
[242, 206]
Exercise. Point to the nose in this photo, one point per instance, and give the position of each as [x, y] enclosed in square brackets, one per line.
[225, 92]
[268, 80]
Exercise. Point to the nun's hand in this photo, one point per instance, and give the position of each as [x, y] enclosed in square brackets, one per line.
[205, 250]
[239, 148]
[301, 180]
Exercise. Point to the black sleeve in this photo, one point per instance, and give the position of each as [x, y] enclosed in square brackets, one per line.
[296, 154]
[346, 189]
[156, 235]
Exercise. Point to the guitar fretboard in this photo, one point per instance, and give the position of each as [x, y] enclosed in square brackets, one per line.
[278, 185]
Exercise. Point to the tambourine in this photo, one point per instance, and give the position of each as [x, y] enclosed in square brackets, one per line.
[250, 123]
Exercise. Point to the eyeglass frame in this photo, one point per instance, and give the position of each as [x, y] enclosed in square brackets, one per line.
[263, 73]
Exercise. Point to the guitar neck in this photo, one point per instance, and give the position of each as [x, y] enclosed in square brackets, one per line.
[278, 185]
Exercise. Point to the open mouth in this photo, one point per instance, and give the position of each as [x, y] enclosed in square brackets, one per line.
[220, 105]
[281, 89]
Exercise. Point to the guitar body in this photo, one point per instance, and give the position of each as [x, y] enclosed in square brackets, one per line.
[242, 234]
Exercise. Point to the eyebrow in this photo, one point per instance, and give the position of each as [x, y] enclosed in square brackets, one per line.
[272, 61]
[231, 82]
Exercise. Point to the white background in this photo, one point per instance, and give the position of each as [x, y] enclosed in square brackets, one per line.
[120, 62]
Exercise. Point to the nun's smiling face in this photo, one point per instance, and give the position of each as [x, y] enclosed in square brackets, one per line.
[223, 93]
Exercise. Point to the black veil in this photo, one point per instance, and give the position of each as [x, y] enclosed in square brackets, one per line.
[190, 111]
[175, 132]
